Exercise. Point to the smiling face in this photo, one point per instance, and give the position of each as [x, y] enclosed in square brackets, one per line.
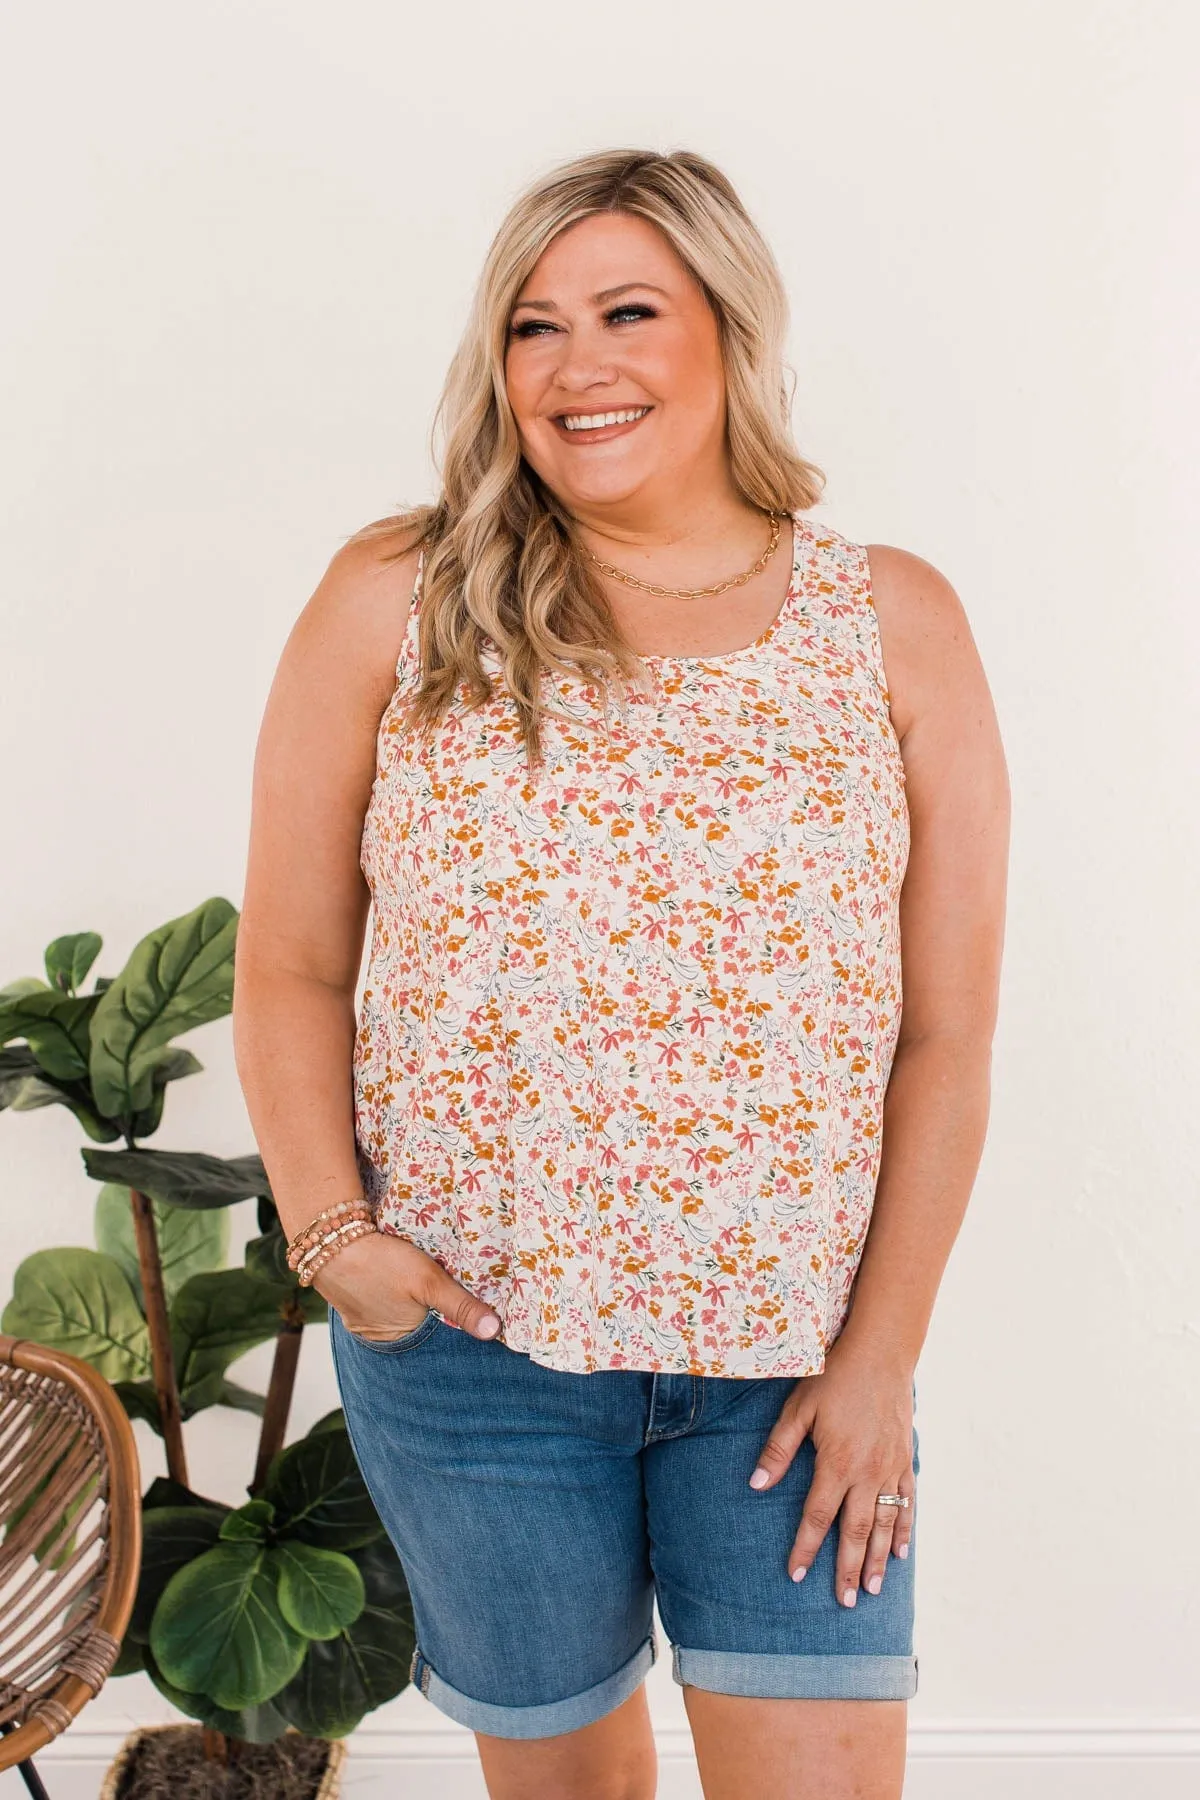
[614, 371]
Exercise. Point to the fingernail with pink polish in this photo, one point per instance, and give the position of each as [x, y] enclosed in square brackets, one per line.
[760, 1478]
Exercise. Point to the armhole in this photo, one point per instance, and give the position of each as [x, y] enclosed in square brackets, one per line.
[872, 637]
[874, 649]
[408, 663]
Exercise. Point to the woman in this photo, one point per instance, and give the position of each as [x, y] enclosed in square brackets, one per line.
[608, 733]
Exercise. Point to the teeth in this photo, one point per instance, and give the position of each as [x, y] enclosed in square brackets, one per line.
[592, 421]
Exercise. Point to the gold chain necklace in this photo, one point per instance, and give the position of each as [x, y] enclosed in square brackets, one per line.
[720, 587]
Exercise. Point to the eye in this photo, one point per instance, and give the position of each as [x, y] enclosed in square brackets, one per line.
[628, 314]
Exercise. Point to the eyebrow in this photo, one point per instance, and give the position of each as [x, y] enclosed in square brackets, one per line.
[604, 294]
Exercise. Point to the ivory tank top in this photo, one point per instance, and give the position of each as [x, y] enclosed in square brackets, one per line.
[629, 1019]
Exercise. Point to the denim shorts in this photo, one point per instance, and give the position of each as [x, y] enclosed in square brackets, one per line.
[539, 1514]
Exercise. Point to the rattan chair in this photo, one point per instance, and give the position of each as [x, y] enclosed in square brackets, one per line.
[70, 1488]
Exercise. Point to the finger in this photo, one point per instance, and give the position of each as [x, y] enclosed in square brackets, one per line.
[879, 1544]
[821, 1506]
[905, 1515]
[775, 1458]
[854, 1534]
[462, 1308]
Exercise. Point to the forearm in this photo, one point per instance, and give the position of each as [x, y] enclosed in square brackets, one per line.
[934, 1127]
[294, 1046]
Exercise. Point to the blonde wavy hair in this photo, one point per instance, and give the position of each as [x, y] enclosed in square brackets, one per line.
[501, 558]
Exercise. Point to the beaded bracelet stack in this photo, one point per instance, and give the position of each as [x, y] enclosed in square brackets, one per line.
[311, 1248]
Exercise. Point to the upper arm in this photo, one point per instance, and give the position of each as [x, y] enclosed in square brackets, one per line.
[952, 903]
[306, 900]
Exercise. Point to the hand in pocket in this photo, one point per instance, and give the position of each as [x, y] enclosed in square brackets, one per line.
[384, 1287]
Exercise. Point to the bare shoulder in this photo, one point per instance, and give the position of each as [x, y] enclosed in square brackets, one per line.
[337, 670]
[314, 764]
[957, 787]
[929, 650]
[354, 622]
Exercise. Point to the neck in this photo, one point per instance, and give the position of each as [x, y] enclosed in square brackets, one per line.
[694, 522]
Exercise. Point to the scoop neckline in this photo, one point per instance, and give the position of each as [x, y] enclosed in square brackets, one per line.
[772, 630]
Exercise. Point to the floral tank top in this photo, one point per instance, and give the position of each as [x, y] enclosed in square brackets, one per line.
[629, 1019]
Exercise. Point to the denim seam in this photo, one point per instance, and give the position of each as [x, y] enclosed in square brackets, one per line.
[345, 1413]
[664, 1437]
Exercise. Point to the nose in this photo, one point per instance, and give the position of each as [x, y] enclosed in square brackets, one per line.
[582, 364]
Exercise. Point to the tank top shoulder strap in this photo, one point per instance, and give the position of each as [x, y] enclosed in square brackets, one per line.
[408, 663]
[835, 584]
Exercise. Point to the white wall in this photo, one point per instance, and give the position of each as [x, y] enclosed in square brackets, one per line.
[240, 244]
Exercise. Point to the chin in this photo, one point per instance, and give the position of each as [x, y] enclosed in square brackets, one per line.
[599, 487]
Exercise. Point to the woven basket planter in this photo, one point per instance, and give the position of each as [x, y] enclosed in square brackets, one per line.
[328, 1788]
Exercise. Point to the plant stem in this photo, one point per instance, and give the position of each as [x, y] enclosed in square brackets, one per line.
[279, 1394]
[216, 1745]
[161, 1356]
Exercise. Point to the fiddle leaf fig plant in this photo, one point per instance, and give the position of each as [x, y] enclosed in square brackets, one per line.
[291, 1610]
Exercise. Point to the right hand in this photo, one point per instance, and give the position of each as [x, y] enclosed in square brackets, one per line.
[383, 1287]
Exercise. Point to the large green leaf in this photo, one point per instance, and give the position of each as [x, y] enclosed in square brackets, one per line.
[319, 1494]
[25, 1084]
[69, 958]
[178, 977]
[165, 1491]
[241, 1399]
[266, 1257]
[330, 1421]
[187, 1178]
[168, 1065]
[216, 1318]
[320, 1591]
[366, 1664]
[130, 1658]
[18, 1066]
[218, 1630]
[172, 1537]
[56, 1026]
[80, 1301]
[250, 1523]
[253, 1725]
[140, 1400]
[189, 1243]
[38, 1090]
